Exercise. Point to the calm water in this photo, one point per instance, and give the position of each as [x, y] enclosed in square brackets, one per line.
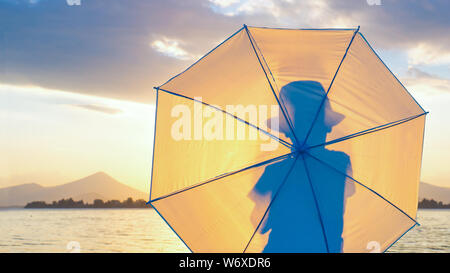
[142, 230]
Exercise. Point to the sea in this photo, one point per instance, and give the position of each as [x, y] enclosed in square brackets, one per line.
[143, 230]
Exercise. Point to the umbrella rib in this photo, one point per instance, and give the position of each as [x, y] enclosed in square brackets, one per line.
[393, 243]
[369, 131]
[221, 176]
[204, 56]
[351, 110]
[285, 143]
[376, 54]
[329, 87]
[271, 202]
[376, 193]
[271, 87]
[282, 104]
[154, 141]
[317, 205]
[314, 29]
[252, 39]
[176, 233]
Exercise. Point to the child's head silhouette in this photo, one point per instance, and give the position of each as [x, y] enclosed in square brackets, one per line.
[302, 100]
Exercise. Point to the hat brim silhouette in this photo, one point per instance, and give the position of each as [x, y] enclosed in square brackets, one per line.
[332, 118]
[302, 100]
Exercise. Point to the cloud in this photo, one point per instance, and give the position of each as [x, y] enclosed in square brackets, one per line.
[224, 3]
[428, 54]
[279, 12]
[29, 3]
[421, 81]
[99, 108]
[102, 48]
[398, 24]
[393, 24]
[246, 7]
[171, 48]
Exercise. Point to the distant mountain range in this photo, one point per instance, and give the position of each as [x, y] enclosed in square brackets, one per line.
[102, 186]
[437, 193]
[97, 186]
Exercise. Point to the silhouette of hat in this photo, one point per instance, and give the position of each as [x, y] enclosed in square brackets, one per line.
[302, 100]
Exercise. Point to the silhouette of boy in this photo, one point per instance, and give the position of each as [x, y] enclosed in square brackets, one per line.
[308, 198]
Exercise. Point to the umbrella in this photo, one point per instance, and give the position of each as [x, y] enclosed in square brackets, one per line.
[287, 140]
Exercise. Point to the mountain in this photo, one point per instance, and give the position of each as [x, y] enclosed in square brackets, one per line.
[102, 186]
[96, 186]
[437, 193]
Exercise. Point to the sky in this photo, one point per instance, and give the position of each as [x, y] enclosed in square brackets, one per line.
[76, 81]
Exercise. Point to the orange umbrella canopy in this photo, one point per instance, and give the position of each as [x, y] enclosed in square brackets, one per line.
[287, 140]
